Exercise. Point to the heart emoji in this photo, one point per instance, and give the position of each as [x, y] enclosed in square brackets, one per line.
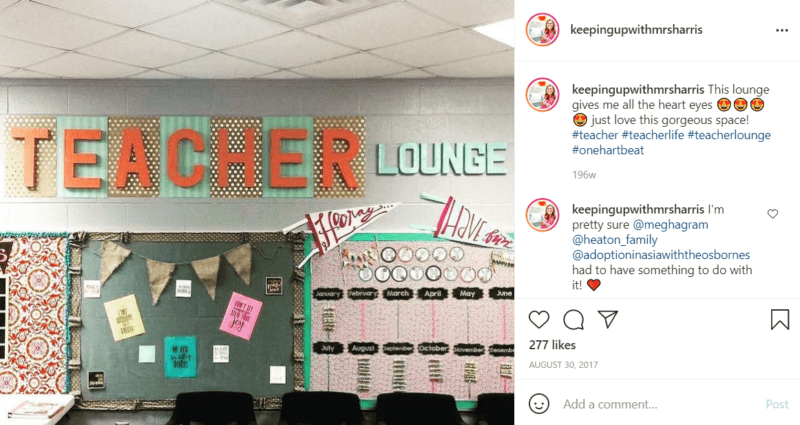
[544, 83]
[593, 283]
[772, 213]
[542, 18]
[539, 318]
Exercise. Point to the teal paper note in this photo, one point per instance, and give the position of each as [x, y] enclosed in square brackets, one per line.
[180, 357]
[147, 354]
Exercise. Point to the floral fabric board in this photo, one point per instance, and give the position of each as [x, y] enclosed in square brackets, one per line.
[37, 312]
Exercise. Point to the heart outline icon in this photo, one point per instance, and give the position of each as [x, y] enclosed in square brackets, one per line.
[538, 318]
[593, 284]
[772, 213]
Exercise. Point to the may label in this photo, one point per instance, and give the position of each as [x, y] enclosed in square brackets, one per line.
[398, 294]
[468, 293]
[501, 293]
[362, 348]
[432, 293]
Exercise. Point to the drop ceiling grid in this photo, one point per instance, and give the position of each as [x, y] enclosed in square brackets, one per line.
[363, 52]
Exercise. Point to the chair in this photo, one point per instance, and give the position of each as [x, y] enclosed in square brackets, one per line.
[213, 408]
[417, 409]
[321, 408]
[496, 409]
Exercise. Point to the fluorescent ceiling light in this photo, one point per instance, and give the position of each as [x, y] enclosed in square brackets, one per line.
[502, 31]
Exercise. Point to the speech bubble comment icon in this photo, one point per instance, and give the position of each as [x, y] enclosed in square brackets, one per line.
[573, 320]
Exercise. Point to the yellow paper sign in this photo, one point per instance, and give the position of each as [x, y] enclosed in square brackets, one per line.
[124, 318]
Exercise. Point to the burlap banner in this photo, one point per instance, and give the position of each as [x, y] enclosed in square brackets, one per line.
[159, 272]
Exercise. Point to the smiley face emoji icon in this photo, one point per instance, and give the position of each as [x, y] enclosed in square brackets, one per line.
[579, 119]
[740, 104]
[539, 403]
[757, 104]
[724, 104]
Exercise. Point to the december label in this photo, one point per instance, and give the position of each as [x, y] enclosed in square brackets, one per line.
[502, 350]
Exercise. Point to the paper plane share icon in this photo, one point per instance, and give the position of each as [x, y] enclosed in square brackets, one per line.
[608, 316]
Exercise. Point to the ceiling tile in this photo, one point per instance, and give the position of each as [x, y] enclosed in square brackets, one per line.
[142, 49]
[302, 13]
[441, 48]
[154, 75]
[468, 12]
[380, 26]
[215, 26]
[289, 50]
[5, 3]
[414, 73]
[24, 73]
[282, 75]
[21, 54]
[360, 65]
[130, 13]
[52, 27]
[218, 65]
[494, 65]
[76, 65]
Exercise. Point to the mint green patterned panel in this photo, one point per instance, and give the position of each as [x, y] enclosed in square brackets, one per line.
[98, 147]
[188, 157]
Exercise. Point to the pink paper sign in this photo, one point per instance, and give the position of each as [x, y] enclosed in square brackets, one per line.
[241, 316]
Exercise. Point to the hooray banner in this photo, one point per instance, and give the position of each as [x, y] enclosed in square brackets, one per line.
[225, 157]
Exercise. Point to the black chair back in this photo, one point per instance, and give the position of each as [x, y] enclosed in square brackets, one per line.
[213, 408]
[418, 409]
[496, 408]
[321, 408]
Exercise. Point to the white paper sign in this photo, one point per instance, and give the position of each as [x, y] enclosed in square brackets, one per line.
[147, 354]
[277, 374]
[91, 288]
[183, 288]
[221, 354]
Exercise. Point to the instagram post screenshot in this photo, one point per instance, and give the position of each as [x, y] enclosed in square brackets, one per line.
[398, 212]
[655, 167]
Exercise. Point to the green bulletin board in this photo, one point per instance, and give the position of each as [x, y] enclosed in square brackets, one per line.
[248, 368]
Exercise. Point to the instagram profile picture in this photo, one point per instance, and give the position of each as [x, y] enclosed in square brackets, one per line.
[542, 215]
[542, 29]
[542, 94]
